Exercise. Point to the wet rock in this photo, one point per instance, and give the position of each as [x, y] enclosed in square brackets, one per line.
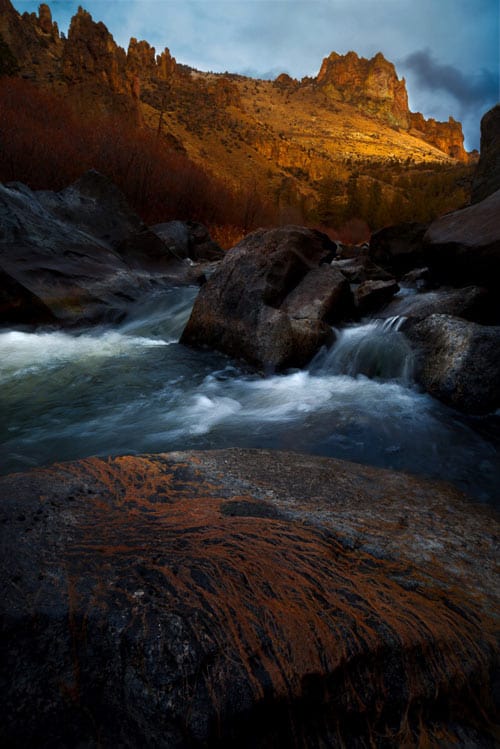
[371, 295]
[188, 239]
[419, 277]
[464, 246]
[487, 175]
[18, 306]
[472, 303]
[399, 248]
[458, 361]
[244, 598]
[271, 300]
[360, 269]
[81, 252]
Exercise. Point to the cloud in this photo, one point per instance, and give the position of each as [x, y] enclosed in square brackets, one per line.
[469, 90]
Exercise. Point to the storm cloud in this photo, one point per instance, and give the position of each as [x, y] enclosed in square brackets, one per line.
[478, 89]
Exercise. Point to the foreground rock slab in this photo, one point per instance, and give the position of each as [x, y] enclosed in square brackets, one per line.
[244, 598]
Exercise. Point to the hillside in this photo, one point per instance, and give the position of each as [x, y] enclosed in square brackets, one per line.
[348, 131]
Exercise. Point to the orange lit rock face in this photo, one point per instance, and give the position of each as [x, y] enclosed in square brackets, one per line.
[244, 598]
[240, 129]
[372, 84]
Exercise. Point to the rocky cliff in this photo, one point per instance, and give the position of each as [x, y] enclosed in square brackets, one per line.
[280, 137]
[374, 87]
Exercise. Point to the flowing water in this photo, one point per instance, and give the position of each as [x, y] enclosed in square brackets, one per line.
[135, 389]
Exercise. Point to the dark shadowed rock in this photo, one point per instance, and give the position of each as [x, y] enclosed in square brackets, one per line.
[464, 246]
[419, 277]
[399, 248]
[188, 239]
[82, 252]
[458, 361]
[372, 295]
[360, 269]
[244, 598]
[271, 300]
[487, 175]
[472, 303]
[18, 306]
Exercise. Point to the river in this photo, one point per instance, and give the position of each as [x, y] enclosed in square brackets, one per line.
[135, 389]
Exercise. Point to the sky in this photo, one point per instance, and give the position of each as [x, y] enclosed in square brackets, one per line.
[447, 50]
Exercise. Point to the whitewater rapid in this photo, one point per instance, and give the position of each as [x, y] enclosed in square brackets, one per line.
[134, 389]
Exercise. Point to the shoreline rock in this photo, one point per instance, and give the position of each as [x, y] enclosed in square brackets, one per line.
[79, 256]
[244, 597]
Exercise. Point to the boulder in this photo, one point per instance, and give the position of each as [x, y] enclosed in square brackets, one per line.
[18, 306]
[372, 295]
[244, 598]
[472, 303]
[487, 176]
[399, 248]
[463, 247]
[271, 300]
[188, 239]
[458, 361]
[360, 269]
[81, 252]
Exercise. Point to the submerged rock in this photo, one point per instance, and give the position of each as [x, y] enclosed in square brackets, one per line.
[244, 598]
[272, 300]
[458, 361]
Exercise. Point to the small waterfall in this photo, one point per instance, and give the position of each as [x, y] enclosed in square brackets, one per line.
[376, 350]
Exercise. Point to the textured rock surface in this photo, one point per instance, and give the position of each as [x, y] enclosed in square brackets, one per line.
[271, 300]
[81, 252]
[487, 176]
[359, 269]
[373, 86]
[471, 302]
[370, 296]
[399, 247]
[188, 239]
[458, 361]
[464, 246]
[244, 598]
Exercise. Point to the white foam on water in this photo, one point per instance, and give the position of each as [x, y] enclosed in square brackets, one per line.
[25, 353]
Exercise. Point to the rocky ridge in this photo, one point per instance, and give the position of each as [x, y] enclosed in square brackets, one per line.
[293, 129]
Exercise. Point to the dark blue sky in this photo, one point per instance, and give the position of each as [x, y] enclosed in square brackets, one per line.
[448, 50]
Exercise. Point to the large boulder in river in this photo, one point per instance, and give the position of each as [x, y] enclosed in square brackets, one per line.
[487, 175]
[463, 247]
[244, 599]
[399, 248]
[81, 253]
[458, 361]
[272, 299]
